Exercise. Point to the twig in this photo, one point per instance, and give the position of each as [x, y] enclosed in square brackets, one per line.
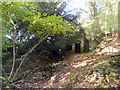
[15, 83]
[4, 71]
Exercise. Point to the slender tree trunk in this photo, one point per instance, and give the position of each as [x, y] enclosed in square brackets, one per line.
[29, 53]
[13, 43]
[112, 40]
[119, 27]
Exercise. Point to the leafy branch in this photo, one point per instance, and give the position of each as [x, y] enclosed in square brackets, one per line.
[26, 54]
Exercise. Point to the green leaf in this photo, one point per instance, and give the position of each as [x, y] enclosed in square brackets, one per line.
[44, 14]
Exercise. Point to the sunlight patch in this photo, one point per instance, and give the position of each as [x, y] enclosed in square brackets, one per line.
[67, 74]
[55, 64]
[117, 44]
[84, 63]
[51, 81]
[53, 78]
[119, 49]
[99, 63]
[94, 77]
[81, 64]
[90, 63]
[63, 80]
[108, 49]
[64, 77]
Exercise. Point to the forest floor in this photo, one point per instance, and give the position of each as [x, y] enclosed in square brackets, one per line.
[86, 70]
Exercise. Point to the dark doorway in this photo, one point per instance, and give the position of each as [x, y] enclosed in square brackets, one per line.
[78, 47]
[86, 46]
[55, 54]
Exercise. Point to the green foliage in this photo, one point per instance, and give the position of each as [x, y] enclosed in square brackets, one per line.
[43, 18]
[41, 24]
[5, 45]
[103, 17]
[115, 61]
[7, 13]
[50, 24]
[7, 79]
[73, 76]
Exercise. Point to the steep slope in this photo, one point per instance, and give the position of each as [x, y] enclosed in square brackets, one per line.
[87, 70]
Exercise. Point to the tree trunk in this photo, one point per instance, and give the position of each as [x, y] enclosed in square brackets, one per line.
[119, 27]
[13, 42]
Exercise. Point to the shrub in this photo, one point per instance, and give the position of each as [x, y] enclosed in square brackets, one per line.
[115, 61]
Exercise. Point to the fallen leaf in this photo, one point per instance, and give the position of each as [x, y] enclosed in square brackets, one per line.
[38, 72]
